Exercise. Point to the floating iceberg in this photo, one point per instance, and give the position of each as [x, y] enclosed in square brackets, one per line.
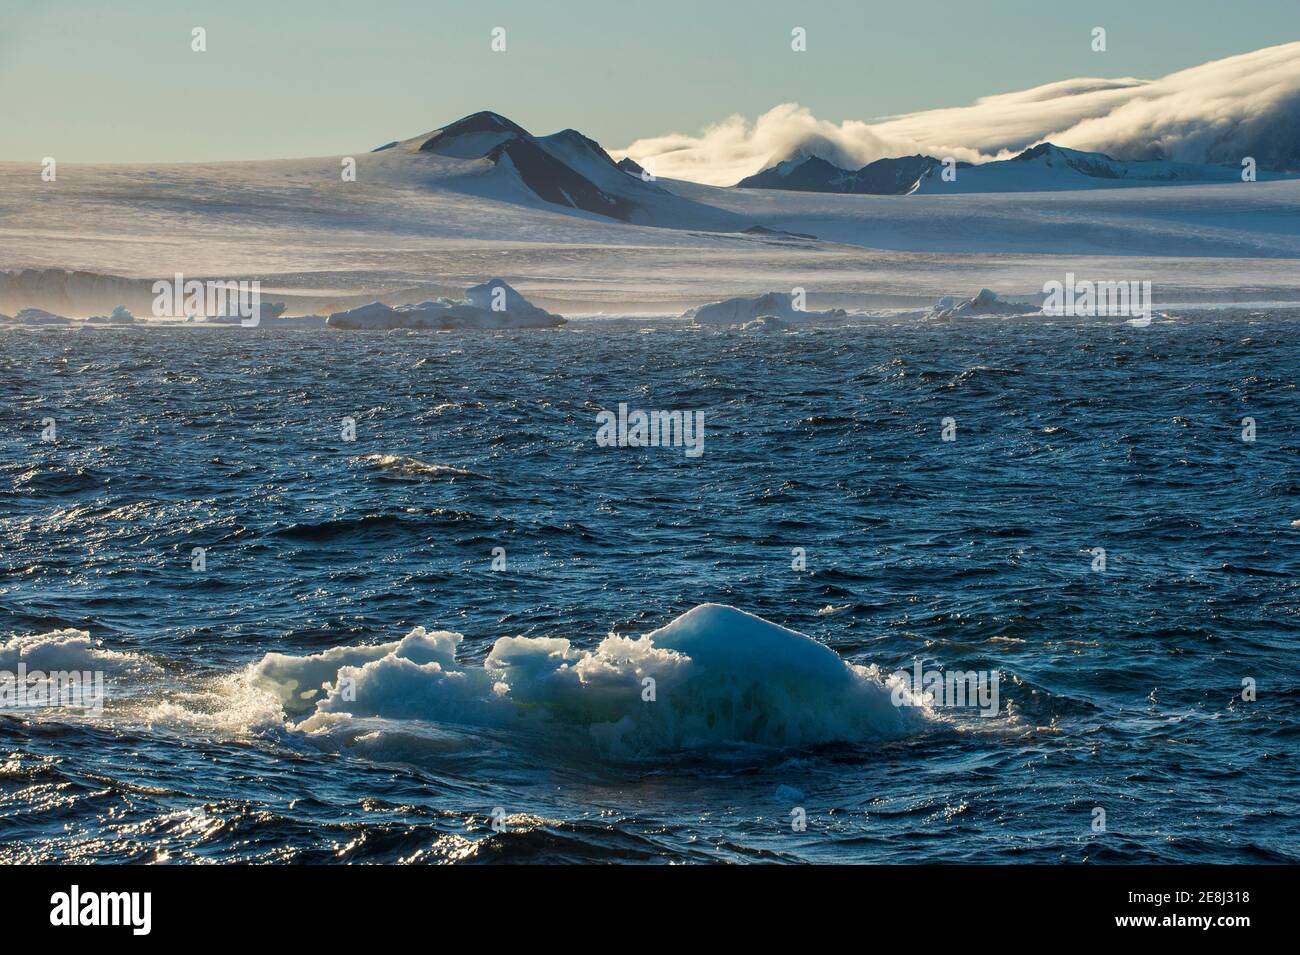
[987, 302]
[714, 676]
[38, 316]
[738, 311]
[119, 316]
[494, 304]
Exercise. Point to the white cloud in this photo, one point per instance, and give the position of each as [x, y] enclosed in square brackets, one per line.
[1246, 105]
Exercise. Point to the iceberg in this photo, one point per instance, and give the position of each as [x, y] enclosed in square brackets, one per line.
[491, 305]
[39, 316]
[119, 316]
[738, 311]
[987, 302]
[713, 677]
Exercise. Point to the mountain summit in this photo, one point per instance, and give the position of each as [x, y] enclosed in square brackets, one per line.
[565, 169]
[472, 136]
[489, 155]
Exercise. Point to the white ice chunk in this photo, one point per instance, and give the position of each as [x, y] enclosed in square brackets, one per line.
[491, 305]
[738, 311]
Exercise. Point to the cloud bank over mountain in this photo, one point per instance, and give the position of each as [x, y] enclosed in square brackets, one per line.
[1219, 112]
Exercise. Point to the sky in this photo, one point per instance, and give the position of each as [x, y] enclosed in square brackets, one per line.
[118, 81]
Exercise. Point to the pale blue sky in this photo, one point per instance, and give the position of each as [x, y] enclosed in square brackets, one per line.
[115, 80]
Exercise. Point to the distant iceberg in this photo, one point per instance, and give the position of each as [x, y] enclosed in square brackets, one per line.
[739, 311]
[491, 305]
[39, 316]
[119, 316]
[987, 303]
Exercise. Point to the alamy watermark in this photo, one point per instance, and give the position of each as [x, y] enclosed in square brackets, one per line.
[74, 908]
[947, 688]
[24, 689]
[1121, 299]
[219, 299]
[651, 429]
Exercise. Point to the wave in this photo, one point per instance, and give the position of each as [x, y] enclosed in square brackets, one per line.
[56, 479]
[334, 528]
[404, 466]
[413, 521]
[67, 650]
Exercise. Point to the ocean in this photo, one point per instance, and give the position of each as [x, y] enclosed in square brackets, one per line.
[1096, 517]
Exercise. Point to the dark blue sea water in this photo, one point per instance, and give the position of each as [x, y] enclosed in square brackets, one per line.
[1121, 689]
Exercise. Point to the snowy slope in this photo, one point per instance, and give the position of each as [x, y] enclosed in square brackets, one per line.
[1047, 167]
[418, 225]
[566, 169]
[1231, 220]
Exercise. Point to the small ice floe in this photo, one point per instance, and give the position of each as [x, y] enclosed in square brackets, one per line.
[770, 305]
[492, 305]
[831, 610]
[1296, 525]
[119, 316]
[986, 303]
[39, 316]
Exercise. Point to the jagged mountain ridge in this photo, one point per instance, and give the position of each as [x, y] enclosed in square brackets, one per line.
[565, 169]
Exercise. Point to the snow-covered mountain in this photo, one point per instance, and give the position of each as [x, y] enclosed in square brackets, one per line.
[1215, 113]
[1048, 168]
[1042, 168]
[884, 177]
[631, 166]
[565, 169]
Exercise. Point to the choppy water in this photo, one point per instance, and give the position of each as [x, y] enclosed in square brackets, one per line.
[1120, 689]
